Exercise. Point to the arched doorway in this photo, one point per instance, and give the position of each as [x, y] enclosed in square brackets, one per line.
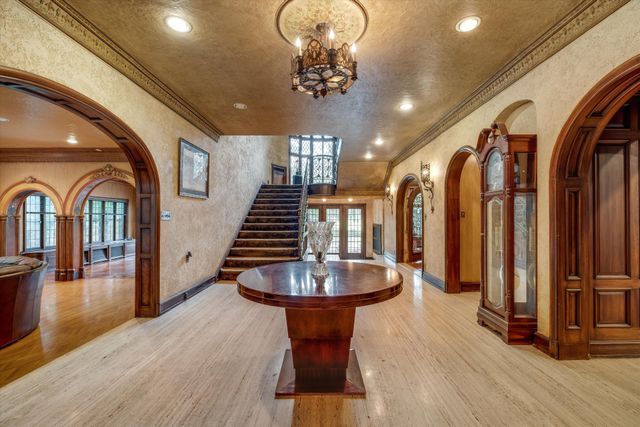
[409, 231]
[462, 225]
[147, 283]
[593, 194]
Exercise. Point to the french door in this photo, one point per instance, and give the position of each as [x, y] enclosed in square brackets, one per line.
[349, 229]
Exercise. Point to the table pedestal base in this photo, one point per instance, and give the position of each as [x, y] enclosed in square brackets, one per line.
[287, 386]
[320, 360]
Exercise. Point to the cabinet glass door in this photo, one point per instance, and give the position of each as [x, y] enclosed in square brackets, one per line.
[495, 253]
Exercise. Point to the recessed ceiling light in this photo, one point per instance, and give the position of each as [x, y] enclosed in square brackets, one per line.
[406, 106]
[240, 106]
[178, 24]
[72, 139]
[368, 156]
[98, 150]
[467, 24]
[379, 141]
[324, 199]
[3, 120]
[350, 199]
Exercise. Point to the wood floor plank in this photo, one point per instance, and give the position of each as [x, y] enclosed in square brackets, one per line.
[215, 359]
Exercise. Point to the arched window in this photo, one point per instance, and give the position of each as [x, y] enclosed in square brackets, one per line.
[39, 223]
[417, 223]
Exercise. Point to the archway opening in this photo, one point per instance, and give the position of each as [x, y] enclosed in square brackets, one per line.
[463, 224]
[593, 212]
[410, 222]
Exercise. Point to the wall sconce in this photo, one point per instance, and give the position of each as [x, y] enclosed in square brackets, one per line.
[388, 196]
[427, 184]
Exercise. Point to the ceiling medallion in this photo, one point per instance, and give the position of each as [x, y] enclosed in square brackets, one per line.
[324, 66]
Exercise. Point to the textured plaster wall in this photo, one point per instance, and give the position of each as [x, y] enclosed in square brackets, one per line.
[238, 164]
[555, 87]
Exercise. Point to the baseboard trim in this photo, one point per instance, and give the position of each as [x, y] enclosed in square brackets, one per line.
[541, 342]
[390, 257]
[433, 280]
[469, 286]
[182, 296]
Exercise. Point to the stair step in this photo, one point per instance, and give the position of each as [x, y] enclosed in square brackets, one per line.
[262, 201]
[251, 262]
[266, 226]
[263, 251]
[298, 186]
[273, 212]
[231, 273]
[266, 242]
[269, 207]
[281, 190]
[271, 219]
[268, 234]
[278, 196]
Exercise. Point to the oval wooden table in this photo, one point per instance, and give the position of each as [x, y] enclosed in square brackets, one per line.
[320, 318]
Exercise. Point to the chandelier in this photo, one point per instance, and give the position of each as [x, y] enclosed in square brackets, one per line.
[322, 68]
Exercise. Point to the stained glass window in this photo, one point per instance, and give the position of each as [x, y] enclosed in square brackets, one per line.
[333, 215]
[354, 230]
[319, 152]
[39, 223]
[417, 223]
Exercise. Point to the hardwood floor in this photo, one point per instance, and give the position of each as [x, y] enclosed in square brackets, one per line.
[214, 360]
[73, 313]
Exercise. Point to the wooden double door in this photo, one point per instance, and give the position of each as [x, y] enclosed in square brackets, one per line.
[615, 237]
[349, 230]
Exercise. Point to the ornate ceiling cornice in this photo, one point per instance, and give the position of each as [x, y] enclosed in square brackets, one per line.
[68, 20]
[581, 19]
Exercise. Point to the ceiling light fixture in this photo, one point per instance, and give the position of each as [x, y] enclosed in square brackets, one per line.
[368, 156]
[467, 24]
[240, 106]
[178, 24]
[350, 199]
[324, 199]
[322, 68]
[406, 106]
[72, 139]
[379, 141]
[3, 120]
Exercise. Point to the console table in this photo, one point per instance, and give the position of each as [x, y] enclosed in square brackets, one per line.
[320, 318]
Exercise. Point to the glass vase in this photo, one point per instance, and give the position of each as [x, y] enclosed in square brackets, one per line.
[319, 237]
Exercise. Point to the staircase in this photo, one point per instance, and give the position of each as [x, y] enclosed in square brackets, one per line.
[270, 232]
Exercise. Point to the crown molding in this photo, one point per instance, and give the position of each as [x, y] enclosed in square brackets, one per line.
[64, 17]
[46, 155]
[577, 22]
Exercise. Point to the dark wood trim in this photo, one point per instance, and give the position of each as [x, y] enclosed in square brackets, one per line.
[570, 210]
[147, 296]
[177, 299]
[541, 342]
[433, 280]
[62, 155]
[468, 286]
[452, 219]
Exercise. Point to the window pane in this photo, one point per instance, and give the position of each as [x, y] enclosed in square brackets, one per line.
[108, 207]
[354, 230]
[96, 206]
[524, 245]
[120, 208]
[495, 172]
[96, 226]
[495, 254]
[524, 173]
[417, 224]
[49, 230]
[333, 215]
[87, 227]
[313, 215]
[32, 231]
[317, 147]
[306, 147]
[108, 227]
[120, 227]
[295, 146]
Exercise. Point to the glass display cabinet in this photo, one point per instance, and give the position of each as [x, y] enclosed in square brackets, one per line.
[508, 284]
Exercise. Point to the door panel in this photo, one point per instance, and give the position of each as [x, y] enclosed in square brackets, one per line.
[349, 229]
[615, 295]
[354, 245]
[333, 214]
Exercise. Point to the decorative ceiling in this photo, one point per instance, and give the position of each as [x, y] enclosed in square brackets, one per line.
[35, 123]
[410, 52]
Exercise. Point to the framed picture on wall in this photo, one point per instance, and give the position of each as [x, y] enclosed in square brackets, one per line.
[194, 171]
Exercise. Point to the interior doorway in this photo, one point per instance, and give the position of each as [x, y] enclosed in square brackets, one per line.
[463, 223]
[349, 229]
[409, 222]
[594, 214]
[278, 175]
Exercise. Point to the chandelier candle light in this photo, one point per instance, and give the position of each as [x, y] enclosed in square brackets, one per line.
[321, 68]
